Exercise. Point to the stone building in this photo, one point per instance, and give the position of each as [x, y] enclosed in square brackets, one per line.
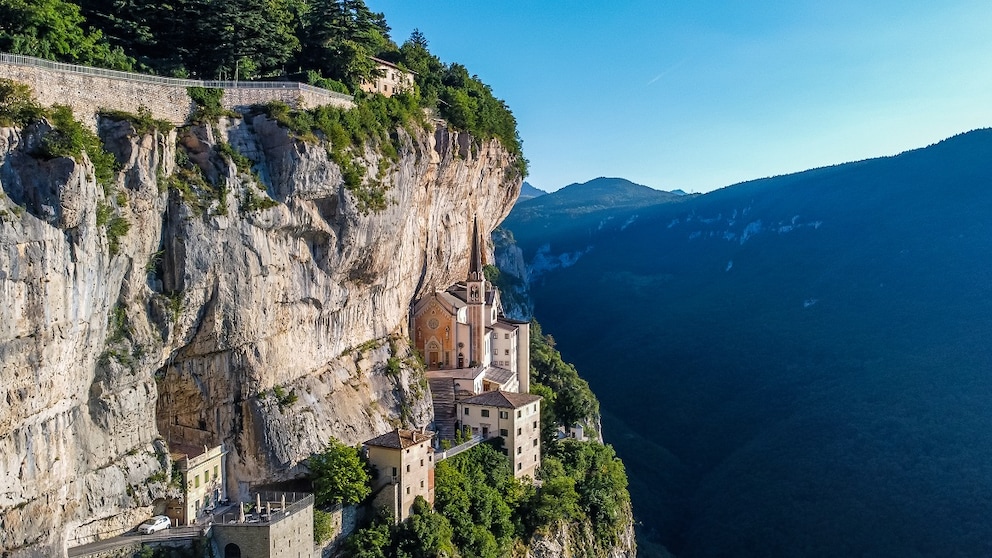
[203, 477]
[516, 417]
[464, 327]
[390, 79]
[285, 530]
[478, 366]
[405, 462]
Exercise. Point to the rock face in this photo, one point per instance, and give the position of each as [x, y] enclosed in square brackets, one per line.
[212, 319]
[517, 303]
[577, 539]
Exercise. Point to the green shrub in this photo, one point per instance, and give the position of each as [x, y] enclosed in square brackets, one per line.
[315, 79]
[393, 366]
[144, 123]
[117, 324]
[243, 163]
[103, 214]
[17, 104]
[254, 202]
[208, 106]
[283, 398]
[192, 185]
[116, 229]
[323, 526]
[69, 138]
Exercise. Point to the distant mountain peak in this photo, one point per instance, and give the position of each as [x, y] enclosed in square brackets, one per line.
[600, 193]
[528, 191]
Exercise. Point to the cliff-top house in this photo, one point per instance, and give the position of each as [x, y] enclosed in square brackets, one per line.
[388, 80]
[405, 462]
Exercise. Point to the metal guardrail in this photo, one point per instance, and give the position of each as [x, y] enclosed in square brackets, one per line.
[21, 60]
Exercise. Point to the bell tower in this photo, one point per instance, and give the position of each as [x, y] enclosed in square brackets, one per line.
[475, 296]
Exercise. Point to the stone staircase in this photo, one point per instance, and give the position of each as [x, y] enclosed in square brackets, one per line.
[443, 395]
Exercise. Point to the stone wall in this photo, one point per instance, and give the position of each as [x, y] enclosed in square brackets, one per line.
[89, 90]
[344, 521]
[288, 535]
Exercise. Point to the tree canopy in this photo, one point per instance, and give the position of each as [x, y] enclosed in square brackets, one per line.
[481, 510]
[54, 29]
[339, 475]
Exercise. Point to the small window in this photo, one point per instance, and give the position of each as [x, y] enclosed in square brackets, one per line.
[421, 462]
[504, 415]
[506, 351]
[535, 442]
[535, 458]
[520, 450]
[408, 490]
[519, 431]
[520, 414]
[535, 424]
[466, 411]
[421, 484]
[407, 468]
[504, 432]
[485, 412]
[215, 472]
[520, 466]
[196, 484]
[394, 471]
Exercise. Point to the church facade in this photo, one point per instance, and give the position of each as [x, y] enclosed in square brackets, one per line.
[462, 334]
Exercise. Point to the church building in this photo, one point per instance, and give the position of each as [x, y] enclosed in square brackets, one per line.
[469, 346]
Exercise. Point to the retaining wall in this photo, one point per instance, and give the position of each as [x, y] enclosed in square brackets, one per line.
[89, 90]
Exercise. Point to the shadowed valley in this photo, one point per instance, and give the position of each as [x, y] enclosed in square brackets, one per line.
[795, 365]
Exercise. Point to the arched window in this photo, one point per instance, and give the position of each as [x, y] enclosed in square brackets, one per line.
[232, 551]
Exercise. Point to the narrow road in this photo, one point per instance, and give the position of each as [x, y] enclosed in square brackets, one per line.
[132, 537]
[176, 533]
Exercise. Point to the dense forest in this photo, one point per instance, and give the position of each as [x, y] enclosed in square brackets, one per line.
[327, 43]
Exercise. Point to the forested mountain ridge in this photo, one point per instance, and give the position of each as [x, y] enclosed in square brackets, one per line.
[802, 358]
[555, 230]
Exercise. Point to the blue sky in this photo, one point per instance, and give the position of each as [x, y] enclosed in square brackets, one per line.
[703, 94]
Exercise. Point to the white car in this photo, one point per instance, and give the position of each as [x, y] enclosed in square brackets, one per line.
[155, 524]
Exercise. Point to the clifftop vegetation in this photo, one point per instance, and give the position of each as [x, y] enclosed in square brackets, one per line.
[481, 510]
[328, 43]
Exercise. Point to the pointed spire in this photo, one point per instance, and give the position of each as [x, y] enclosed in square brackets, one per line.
[475, 264]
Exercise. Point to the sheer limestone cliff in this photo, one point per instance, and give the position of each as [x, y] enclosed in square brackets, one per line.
[211, 319]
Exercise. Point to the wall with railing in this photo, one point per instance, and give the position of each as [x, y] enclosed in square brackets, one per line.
[88, 90]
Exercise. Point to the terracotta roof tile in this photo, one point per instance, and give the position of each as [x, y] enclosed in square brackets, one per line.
[503, 399]
[399, 439]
